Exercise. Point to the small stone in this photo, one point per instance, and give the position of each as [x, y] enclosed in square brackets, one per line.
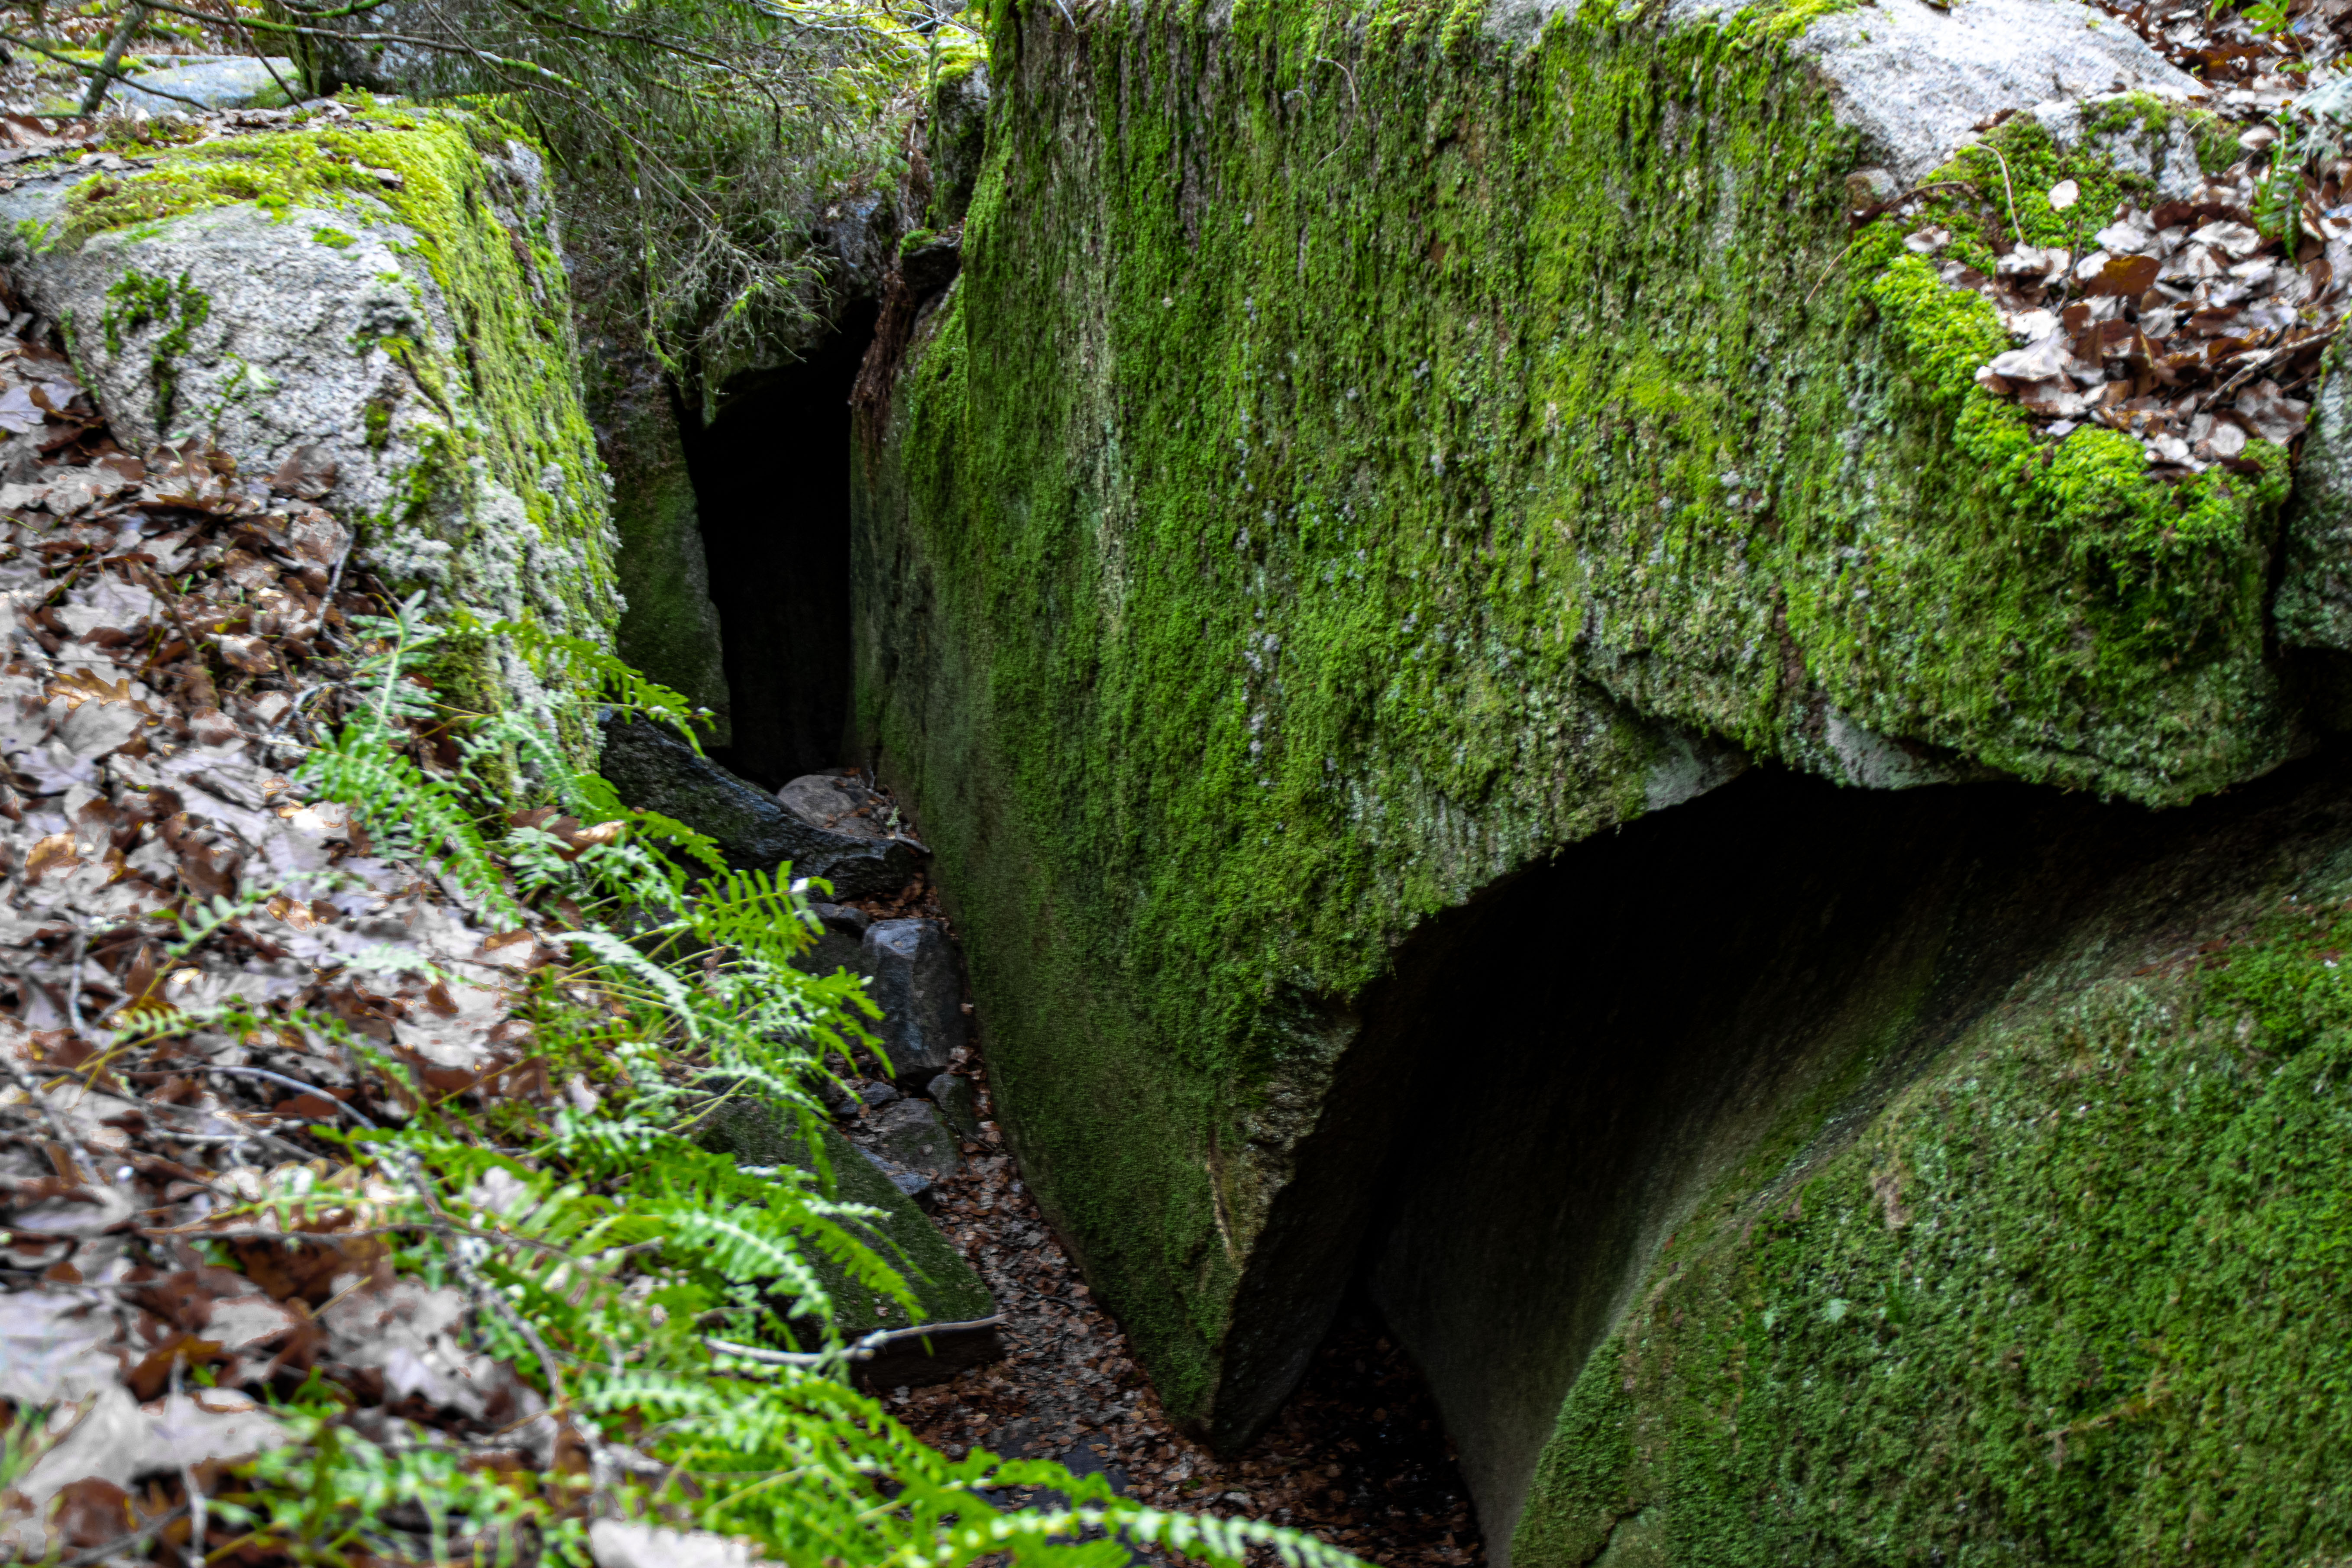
[838, 803]
[1867, 187]
[911, 968]
[838, 948]
[958, 1104]
[908, 1133]
[914, 1183]
[873, 1093]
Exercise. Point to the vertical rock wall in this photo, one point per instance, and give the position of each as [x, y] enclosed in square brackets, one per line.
[1369, 453]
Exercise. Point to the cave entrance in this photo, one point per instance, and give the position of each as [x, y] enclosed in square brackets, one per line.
[1557, 1071]
[1651, 1002]
[771, 482]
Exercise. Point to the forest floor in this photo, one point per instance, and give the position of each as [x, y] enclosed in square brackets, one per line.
[1357, 1456]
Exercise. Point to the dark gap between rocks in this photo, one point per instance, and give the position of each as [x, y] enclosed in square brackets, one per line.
[1358, 1455]
[1558, 1071]
[772, 485]
[1554, 1074]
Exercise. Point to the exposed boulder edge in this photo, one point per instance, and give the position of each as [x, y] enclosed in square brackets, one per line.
[1916, 80]
[405, 336]
[946, 1288]
[226, 83]
[655, 771]
[2315, 597]
[1540, 413]
[670, 628]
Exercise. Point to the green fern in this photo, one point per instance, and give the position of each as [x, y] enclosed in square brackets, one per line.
[625, 1246]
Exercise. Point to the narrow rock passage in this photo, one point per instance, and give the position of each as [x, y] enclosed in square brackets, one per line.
[1357, 1456]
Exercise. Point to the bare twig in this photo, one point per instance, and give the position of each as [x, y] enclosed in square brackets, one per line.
[84, 66]
[860, 1350]
[188, 1482]
[73, 980]
[2007, 190]
[49, 1113]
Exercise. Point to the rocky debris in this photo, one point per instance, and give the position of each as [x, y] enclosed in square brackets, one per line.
[843, 938]
[915, 1184]
[958, 1105]
[912, 974]
[905, 1138]
[842, 802]
[655, 771]
[1359, 1455]
[911, 1133]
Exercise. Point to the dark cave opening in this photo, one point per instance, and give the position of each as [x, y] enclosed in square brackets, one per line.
[1557, 1069]
[771, 483]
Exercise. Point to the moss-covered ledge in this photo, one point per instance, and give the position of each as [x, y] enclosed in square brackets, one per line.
[2071, 1291]
[1370, 450]
[376, 295]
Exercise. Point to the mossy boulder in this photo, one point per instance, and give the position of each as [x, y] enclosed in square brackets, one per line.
[378, 298]
[946, 1288]
[2017, 1234]
[1370, 452]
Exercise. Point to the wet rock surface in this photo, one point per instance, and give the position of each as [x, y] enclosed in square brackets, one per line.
[840, 803]
[911, 973]
[1359, 1454]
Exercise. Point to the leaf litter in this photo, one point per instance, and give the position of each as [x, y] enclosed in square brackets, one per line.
[1357, 1456]
[2195, 321]
[181, 1246]
[174, 644]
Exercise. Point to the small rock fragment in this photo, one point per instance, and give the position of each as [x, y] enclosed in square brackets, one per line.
[909, 1133]
[911, 975]
[838, 948]
[959, 1103]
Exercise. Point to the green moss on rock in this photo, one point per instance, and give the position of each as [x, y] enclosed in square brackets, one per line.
[1359, 458]
[2078, 1295]
[382, 287]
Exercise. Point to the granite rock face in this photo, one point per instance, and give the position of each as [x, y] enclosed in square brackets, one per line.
[842, 943]
[1363, 467]
[669, 627]
[393, 325]
[229, 82]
